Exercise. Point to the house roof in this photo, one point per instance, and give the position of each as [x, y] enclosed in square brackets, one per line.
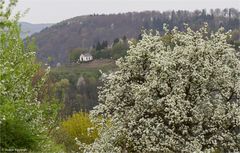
[87, 55]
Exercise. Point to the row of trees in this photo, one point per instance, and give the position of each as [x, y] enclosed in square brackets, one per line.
[227, 12]
[102, 50]
[227, 18]
[118, 49]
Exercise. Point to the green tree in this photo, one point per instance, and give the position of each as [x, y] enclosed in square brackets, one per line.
[75, 54]
[184, 98]
[25, 119]
[119, 50]
[78, 126]
[115, 41]
[98, 46]
[61, 88]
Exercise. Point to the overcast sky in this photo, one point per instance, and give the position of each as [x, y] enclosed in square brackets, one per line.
[52, 11]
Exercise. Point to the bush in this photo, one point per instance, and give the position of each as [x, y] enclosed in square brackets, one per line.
[15, 134]
[75, 54]
[76, 126]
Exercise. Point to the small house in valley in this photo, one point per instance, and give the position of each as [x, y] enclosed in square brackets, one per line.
[85, 57]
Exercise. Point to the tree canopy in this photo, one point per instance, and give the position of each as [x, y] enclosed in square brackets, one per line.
[177, 97]
[25, 119]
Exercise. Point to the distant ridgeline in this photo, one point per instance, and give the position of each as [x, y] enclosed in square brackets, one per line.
[27, 29]
[85, 32]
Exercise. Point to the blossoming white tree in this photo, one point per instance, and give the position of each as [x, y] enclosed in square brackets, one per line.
[177, 97]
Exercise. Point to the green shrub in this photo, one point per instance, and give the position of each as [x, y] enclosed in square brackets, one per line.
[76, 126]
[15, 134]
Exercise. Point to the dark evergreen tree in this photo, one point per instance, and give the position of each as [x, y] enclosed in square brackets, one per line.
[115, 41]
[99, 46]
[104, 44]
[124, 38]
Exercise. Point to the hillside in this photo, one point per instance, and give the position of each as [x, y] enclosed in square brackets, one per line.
[28, 28]
[56, 41]
[81, 92]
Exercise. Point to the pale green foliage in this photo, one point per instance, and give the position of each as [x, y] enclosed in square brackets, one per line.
[178, 98]
[77, 127]
[19, 103]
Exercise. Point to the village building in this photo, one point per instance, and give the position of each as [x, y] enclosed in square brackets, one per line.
[85, 57]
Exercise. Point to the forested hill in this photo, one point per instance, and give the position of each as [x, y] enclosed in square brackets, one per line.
[85, 31]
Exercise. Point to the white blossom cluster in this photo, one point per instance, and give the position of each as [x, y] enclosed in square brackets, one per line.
[177, 97]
